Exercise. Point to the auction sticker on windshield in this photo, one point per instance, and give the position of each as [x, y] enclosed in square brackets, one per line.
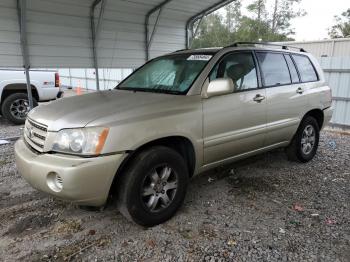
[199, 57]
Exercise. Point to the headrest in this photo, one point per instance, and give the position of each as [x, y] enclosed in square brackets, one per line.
[236, 72]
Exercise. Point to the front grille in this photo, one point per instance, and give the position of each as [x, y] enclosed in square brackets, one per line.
[35, 134]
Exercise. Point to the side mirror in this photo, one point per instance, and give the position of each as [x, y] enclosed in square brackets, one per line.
[220, 86]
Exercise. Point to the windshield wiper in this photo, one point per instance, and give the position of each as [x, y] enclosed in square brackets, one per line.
[166, 91]
[151, 90]
[127, 88]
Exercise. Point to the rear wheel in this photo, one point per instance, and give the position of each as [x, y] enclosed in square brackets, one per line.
[153, 186]
[304, 145]
[15, 107]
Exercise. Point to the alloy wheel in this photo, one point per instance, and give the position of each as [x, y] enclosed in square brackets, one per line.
[19, 108]
[308, 139]
[159, 188]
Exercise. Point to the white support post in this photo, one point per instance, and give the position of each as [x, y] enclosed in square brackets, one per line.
[86, 79]
[95, 32]
[70, 78]
[194, 34]
[149, 39]
[21, 10]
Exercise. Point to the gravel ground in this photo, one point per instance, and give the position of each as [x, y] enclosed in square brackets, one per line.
[260, 209]
[8, 130]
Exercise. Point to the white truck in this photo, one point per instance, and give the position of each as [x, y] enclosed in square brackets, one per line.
[14, 104]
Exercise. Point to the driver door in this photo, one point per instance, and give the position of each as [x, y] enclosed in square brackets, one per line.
[235, 123]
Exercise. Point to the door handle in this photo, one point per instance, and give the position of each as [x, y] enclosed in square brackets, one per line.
[300, 90]
[258, 98]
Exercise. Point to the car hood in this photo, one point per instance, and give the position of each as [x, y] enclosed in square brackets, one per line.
[107, 108]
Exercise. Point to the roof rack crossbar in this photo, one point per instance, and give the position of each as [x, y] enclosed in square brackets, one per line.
[284, 47]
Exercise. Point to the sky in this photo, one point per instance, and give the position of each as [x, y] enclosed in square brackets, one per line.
[320, 17]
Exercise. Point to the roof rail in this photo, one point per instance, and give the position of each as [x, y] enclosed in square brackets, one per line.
[184, 49]
[284, 47]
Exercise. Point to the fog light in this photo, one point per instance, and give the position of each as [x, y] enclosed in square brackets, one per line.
[55, 182]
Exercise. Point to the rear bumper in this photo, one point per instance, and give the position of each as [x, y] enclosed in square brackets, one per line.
[48, 93]
[84, 181]
[327, 113]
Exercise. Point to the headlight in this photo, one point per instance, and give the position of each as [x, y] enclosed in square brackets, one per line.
[85, 141]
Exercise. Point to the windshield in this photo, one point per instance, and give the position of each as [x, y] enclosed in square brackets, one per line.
[172, 74]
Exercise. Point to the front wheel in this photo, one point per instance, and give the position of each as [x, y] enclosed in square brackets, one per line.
[304, 145]
[153, 186]
[15, 107]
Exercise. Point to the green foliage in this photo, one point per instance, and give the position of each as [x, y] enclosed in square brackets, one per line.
[213, 32]
[257, 24]
[342, 26]
[258, 8]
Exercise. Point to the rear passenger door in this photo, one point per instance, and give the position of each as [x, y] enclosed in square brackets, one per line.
[285, 97]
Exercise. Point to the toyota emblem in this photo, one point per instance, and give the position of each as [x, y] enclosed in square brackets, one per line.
[30, 132]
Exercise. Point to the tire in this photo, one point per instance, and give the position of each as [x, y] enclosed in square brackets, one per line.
[13, 108]
[303, 148]
[140, 178]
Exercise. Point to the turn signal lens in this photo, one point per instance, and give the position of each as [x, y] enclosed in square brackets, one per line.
[101, 141]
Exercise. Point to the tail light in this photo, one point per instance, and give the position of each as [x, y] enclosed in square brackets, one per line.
[57, 80]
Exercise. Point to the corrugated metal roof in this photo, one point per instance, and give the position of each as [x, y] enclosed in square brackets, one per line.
[59, 31]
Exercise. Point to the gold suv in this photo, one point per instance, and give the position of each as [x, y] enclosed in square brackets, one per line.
[173, 118]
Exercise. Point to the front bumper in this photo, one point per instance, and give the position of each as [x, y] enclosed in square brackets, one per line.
[84, 181]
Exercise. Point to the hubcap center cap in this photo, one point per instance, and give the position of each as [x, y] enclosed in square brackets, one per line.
[158, 187]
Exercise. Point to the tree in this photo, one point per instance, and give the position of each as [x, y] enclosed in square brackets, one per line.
[258, 7]
[233, 15]
[256, 24]
[342, 26]
[212, 31]
[283, 12]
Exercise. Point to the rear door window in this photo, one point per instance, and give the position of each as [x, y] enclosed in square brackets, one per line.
[293, 71]
[274, 69]
[306, 70]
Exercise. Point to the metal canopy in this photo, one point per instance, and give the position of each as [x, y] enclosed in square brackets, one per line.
[65, 33]
[97, 33]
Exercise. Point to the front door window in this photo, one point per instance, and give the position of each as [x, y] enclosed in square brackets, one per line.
[240, 67]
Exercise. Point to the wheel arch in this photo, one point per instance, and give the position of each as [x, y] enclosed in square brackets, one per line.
[180, 144]
[18, 88]
[318, 115]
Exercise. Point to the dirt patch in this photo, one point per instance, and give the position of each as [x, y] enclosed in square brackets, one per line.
[68, 227]
[30, 223]
[69, 252]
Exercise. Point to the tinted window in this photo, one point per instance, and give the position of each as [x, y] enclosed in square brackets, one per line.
[292, 69]
[274, 69]
[306, 70]
[240, 67]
